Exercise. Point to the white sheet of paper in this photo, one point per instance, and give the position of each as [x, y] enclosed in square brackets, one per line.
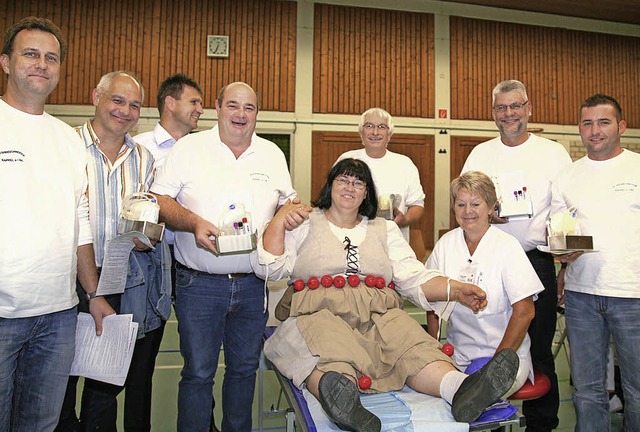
[115, 265]
[107, 357]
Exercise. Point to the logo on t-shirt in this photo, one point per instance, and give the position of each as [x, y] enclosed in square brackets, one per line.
[261, 177]
[625, 187]
[11, 156]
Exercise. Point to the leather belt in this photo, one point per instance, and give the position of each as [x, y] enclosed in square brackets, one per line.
[226, 275]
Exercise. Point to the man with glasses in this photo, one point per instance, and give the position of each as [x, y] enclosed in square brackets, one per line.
[400, 194]
[522, 166]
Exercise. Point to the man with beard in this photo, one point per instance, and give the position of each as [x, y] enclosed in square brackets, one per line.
[522, 166]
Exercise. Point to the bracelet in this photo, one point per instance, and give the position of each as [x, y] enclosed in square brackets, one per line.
[90, 296]
[448, 290]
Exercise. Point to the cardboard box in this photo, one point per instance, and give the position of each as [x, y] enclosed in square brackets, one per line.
[235, 244]
[513, 208]
[570, 242]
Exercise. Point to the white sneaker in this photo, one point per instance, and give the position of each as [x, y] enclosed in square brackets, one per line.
[615, 404]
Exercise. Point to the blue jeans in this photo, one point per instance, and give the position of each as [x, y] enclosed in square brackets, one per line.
[212, 311]
[591, 320]
[35, 359]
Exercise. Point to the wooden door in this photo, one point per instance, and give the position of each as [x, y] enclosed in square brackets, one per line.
[460, 149]
[327, 146]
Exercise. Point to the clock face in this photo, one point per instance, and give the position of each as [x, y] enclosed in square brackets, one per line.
[217, 46]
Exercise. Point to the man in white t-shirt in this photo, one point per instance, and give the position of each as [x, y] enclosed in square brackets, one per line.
[400, 194]
[602, 288]
[522, 166]
[45, 236]
[222, 180]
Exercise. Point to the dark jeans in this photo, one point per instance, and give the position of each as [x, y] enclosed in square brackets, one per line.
[212, 311]
[542, 413]
[99, 404]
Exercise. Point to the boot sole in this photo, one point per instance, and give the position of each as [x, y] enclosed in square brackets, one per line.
[340, 399]
[485, 387]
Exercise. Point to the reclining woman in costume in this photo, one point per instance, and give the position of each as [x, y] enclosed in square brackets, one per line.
[480, 253]
[345, 321]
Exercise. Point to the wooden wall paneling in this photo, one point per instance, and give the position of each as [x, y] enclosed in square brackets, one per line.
[243, 70]
[396, 91]
[202, 71]
[385, 61]
[326, 63]
[274, 46]
[351, 70]
[550, 77]
[413, 58]
[195, 42]
[288, 76]
[162, 31]
[428, 81]
[267, 42]
[417, 57]
[553, 63]
[85, 70]
[72, 57]
[134, 39]
[475, 69]
[453, 67]
[126, 29]
[331, 91]
[317, 58]
[342, 98]
[405, 85]
[280, 77]
[279, 41]
[111, 38]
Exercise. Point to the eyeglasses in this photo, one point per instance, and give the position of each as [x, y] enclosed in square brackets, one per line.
[513, 107]
[345, 182]
[371, 126]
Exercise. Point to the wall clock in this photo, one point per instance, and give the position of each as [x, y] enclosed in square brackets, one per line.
[217, 46]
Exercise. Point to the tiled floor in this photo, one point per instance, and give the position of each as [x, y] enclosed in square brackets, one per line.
[169, 364]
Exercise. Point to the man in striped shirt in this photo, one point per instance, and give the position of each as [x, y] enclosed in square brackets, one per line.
[117, 168]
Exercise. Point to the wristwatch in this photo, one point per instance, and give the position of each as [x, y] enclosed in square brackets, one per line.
[90, 296]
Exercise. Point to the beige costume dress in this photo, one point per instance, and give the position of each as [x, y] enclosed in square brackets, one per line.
[351, 330]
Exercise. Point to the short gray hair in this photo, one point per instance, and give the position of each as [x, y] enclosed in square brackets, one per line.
[379, 112]
[509, 86]
[106, 80]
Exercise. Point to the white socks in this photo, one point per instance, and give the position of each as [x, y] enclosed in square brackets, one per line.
[450, 384]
